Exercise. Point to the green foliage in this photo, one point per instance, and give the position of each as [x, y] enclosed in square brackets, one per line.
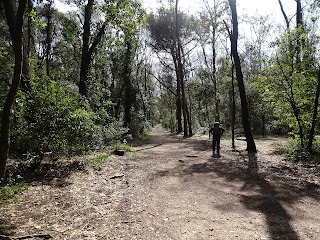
[100, 159]
[10, 190]
[97, 161]
[201, 91]
[52, 118]
[292, 151]
[71, 30]
[291, 86]
[127, 16]
[169, 122]
[288, 148]
[162, 28]
[36, 20]
[138, 123]
[6, 69]
[147, 128]
[109, 134]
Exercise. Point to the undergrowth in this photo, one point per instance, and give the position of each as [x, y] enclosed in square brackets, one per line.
[123, 146]
[97, 161]
[292, 151]
[13, 184]
[100, 159]
[10, 189]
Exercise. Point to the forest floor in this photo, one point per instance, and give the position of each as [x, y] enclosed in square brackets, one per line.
[168, 187]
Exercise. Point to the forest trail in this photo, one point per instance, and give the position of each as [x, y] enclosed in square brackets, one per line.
[173, 188]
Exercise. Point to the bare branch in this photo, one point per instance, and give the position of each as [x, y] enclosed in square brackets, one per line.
[162, 84]
[284, 14]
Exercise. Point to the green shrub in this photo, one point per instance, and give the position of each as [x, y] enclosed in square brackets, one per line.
[288, 148]
[291, 149]
[52, 118]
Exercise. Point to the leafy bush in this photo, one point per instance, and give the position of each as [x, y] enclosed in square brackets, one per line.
[138, 124]
[111, 133]
[52, 118]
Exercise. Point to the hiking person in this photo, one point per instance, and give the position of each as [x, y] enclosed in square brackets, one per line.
[216, 132]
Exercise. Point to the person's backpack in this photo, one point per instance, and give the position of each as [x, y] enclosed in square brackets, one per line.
[216, 131]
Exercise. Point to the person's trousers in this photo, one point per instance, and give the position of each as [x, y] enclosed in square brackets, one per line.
[216, 144]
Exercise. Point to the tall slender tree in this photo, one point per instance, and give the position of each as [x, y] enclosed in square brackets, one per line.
[212, 15]
[88, 47]
[165, 40]
[251, 146]
[131, 25]
[26, 74]
[49, 30]
[294, 61]
[314, 116]
[14, 15]
[180, 72]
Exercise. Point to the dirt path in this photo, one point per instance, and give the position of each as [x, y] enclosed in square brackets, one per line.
[172, 188]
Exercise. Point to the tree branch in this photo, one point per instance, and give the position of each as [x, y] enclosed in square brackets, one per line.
[284, 14]
[162, 83]
[97, 39]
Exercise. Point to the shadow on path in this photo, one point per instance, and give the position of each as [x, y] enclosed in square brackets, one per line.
[146, 148]
[269, 202]
[48, 173]
[6, 227]
[268, 198]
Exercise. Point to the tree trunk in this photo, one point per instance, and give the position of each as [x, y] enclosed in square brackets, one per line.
[251, 146]
[128, 87]
[233, 115]
[87, 50]
[118, 105]
[214, 75]
[315, 116]
[181, 73]
[85, 61]
[142, 96]
[263, 124]
[212, 68]
[178, 95]
[14, 18]
[284, 14]
[25, 83]
[299, 14]
[189, 118]
[48, 37]
[213, 78]
[299, 41]
[30, 7]
[26, 75]
[296, 113]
